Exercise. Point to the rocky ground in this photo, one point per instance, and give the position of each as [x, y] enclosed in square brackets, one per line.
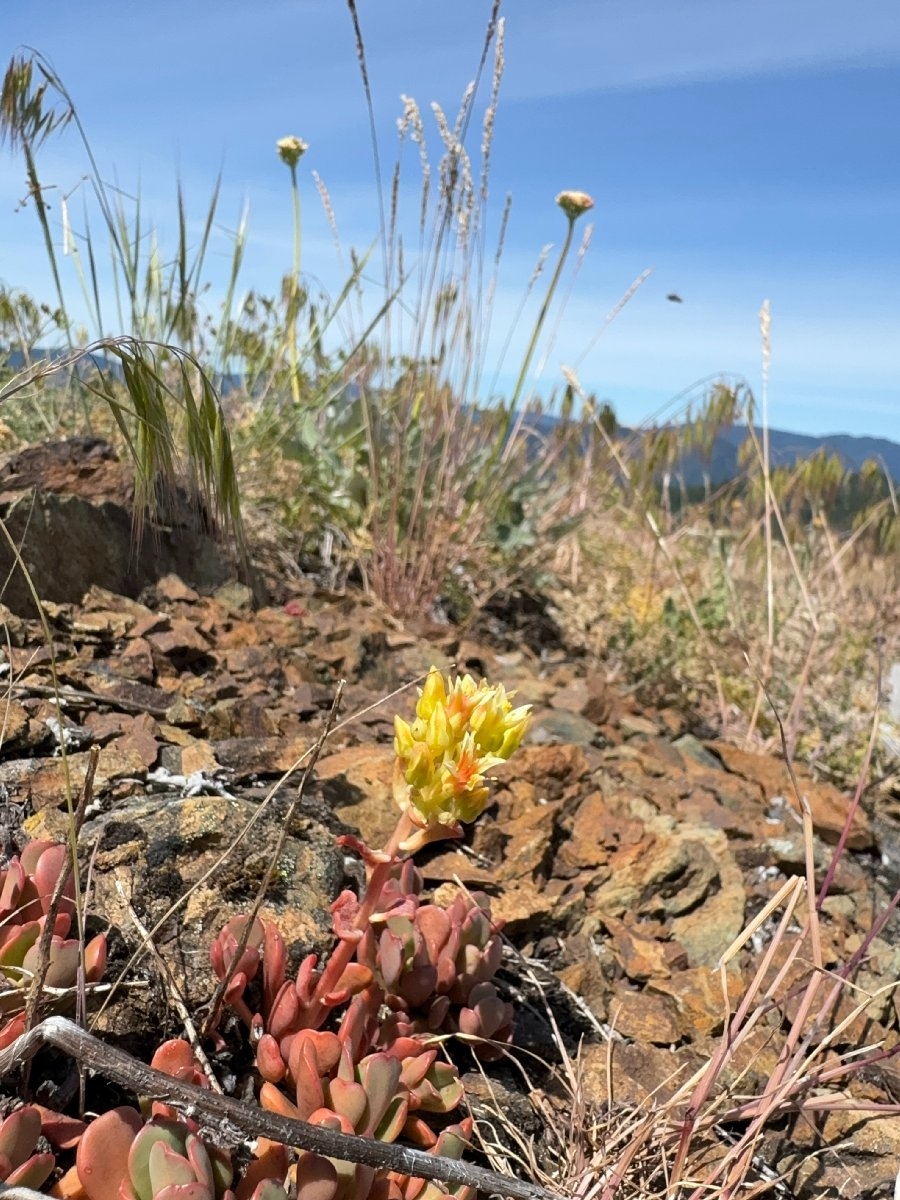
[624, 850]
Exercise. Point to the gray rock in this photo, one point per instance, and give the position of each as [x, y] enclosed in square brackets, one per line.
[693, 748]
[558, 727]
[70, 544]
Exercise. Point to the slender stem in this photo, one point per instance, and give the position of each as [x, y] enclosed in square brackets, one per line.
[501, 440]
[542, 316]
[37, 195]
[293, 300]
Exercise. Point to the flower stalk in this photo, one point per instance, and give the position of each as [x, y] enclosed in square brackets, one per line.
[573, 205]
[290, 151]
[462, 730]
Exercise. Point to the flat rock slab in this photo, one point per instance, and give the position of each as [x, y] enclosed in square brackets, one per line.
[186, 866]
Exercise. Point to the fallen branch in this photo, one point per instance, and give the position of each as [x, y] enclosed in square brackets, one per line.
[230, 1121]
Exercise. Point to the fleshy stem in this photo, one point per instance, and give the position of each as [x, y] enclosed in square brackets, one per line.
[343, 952]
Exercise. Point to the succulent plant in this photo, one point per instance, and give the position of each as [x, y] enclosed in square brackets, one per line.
[377, 1097]
[20, 1163]
[436, 964]
[120, 1157]
[27, 884]
[176, 1058]
[432, 967]
[451, 1142]
[286, 1006]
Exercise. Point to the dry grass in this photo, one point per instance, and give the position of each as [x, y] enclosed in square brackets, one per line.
[699, 618]
[722, 1132]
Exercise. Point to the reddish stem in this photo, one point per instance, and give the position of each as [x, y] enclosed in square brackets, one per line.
[346, 947]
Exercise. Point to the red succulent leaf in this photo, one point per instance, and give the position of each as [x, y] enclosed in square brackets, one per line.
[269, 1163]
[12, 1029]
[313, 1057]
[486, 1010]
[434, 924]
[33, 1173]
[176, 1058]
[344, 912]
[354, 979]
[209, 1167]
[317, 1178]
[95, 958]
[492, 956]
[184, 1191]
[359, 1024]
[405, 1047]
[45, 867]
[148, 1170]
[418, 985]
[307, 1082]
[454, 1141]
[18, 1137]
[387, 1188]
[392, 1121]
[266, 1189]
[440, 1091]
[102, 1157]
[379, 1075]
[372, 858]
[446, 974]
[274, 965]
[416, 1066]
[273, 1100]
[437, 1013]
[307, 978]
[234, 998]
[325, 1047]
[284, 1013]
[348, 1098]
[269, 1062]
[63, 969]
[16, 941]
[397, 905]
[61, 1131]
[391, 958]
[328, 1119]
[223, 949]
[13, 883]
[168, 1168]
[468, 961]
[419, 1132]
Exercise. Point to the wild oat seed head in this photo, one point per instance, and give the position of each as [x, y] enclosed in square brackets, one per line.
[291, 150]
[574, 204]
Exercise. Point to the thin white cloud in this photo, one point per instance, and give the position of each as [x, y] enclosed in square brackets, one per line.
[614, 44]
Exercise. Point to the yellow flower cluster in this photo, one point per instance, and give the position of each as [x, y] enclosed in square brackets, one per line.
[462, 730]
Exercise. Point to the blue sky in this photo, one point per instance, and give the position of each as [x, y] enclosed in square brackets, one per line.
[742, 151]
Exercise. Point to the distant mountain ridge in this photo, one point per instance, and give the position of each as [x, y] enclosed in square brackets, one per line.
[786, 448]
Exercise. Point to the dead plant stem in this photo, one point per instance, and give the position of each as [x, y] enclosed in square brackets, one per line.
[231, 1121]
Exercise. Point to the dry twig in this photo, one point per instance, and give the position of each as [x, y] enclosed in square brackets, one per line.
[229, 1121]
